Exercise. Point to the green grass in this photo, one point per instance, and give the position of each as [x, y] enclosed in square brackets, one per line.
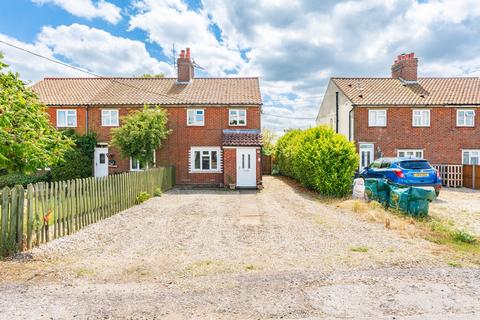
[359, 249]
[454, 264]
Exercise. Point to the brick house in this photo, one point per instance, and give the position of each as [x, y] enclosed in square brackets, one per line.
[215, 122]
[404, 115]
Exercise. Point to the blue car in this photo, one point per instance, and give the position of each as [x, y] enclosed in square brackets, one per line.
[404, 171]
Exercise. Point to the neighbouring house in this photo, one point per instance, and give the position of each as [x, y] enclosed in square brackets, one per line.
[405, 115]
[215, 122]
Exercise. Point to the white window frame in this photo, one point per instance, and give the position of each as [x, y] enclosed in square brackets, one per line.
[422, 112]
[465, 118]
[373, 117]
[195, 123]
[109, 112]
[236, 116]
[65, 125]
[414, 151]
[193, 150]
[477, 151]
[147, 166]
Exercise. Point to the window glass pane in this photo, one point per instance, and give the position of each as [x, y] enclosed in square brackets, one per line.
[102, 158]
[71, 118]
[419, 154]
[197, 160]
[248, 161]
[206, 162]
[61, 120]
[466, 157]
[401, 154]
[214, 160]
[114, 117]
[191, 117]
[243, 161]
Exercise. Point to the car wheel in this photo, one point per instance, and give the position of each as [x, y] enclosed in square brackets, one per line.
[437, 193]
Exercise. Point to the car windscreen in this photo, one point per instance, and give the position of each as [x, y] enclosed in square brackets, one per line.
[412, 165]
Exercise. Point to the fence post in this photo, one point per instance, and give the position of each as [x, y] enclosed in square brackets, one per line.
[474, 176]
[5, 210]
[20, 216]
[30, 196]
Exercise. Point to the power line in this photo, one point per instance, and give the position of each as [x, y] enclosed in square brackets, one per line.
[287, 117]
[88, 72]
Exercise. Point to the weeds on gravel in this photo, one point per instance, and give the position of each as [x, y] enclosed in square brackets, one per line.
[157, 192]
[430, 228]
[359, 249]
[454, 264]
[142, 197]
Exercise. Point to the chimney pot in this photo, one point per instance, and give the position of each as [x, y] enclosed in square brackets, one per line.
[188, 53]
[405, 67]
[182, 54]
[185, 70]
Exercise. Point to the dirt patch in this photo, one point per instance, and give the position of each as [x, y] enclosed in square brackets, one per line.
[279, 252]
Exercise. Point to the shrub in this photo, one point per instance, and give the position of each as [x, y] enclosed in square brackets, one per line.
[142, 197]
[78, 162]
[12, 179]
[157, 192]
[319, 159]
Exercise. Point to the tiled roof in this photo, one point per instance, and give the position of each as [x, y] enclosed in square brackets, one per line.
[427, 91]
[163, 91]
[242, 137]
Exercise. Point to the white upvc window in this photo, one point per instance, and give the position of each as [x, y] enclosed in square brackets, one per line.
[421, 118]
[110, 118]
[137, 165]
[465, 118]
[195, 117]
[471, 156]
[205, 159]
[237, 117]
[377, 118]
[405, 153]
[66, 118]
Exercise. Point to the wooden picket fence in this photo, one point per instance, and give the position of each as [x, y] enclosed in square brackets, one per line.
[46, 211]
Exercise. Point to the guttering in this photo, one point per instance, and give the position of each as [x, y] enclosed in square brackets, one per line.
[350, 124]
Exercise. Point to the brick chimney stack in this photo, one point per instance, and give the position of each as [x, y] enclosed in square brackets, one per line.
[185, 67]
[405, 67]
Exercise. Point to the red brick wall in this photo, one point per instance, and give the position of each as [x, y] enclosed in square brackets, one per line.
[442, 141]
[81, 118]
[175, 150]
[229, 166]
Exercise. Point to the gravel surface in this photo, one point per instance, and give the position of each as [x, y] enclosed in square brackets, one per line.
[461, 206]
[277, 253]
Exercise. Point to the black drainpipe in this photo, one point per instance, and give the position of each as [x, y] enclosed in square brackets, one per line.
[86, 119]
[336, 112]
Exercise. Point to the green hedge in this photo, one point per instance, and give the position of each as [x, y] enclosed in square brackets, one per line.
[319, 159]
[12, 179]
[78, 162]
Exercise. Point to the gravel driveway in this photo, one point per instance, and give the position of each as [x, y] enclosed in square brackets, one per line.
[460, 206]
[277, 253]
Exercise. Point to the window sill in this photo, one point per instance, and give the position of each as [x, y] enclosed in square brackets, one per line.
[471, 127]
[113, 125]
[377, 126]
[66, 126]
[205, 171]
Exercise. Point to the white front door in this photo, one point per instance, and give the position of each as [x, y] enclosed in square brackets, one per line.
[246, 167]
[366, 154]
[100, 162]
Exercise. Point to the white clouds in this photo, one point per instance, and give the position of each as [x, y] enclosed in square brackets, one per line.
[101, 52]
[95, 50]
[88, 9]
[168, 22]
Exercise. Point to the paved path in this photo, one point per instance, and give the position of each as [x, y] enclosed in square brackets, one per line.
[278, 253]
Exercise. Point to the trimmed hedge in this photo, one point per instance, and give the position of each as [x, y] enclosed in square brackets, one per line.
[319, 159]
[13, 179]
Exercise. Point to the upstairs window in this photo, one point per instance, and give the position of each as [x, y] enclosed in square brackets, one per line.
[421, 118]
[237, 117]
[377, 118]
[465, 118]
[66, 118]
[110, 118]
[205, 159]
[195, 117]
[471, 157]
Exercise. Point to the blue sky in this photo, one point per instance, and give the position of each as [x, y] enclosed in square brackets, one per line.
[294, 46]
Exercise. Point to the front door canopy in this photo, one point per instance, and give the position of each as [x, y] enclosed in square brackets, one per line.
[242, 138]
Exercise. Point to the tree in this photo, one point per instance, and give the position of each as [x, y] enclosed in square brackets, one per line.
[141, 133]
[27, 139]
[268, 138]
